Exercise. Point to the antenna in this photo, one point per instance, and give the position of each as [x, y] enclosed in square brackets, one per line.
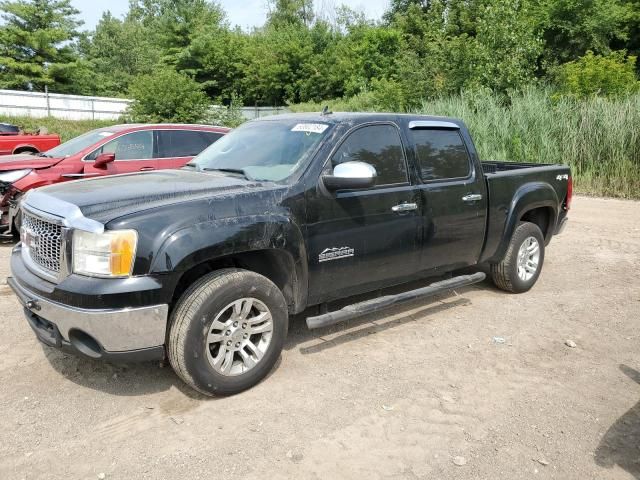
[326, 111]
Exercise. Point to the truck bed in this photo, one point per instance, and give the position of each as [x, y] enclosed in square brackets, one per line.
[495, 167]
[507, 182]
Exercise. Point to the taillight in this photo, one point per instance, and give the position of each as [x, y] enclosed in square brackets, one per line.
[567, 202]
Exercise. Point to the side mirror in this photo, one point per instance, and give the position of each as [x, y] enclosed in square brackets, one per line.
[103, 160]
[350, 176]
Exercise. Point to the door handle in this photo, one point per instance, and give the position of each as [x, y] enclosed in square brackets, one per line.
[404, 207]
[144, 169]
[472, 197]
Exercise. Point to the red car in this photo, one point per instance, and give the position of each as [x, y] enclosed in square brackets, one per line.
[14, 141]
[105, 151]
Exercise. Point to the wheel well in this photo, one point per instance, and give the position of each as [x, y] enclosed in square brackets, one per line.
[541, 217]
[25, 150]
[277, 265]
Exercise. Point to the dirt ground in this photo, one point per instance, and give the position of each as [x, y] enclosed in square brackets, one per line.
[426, 391]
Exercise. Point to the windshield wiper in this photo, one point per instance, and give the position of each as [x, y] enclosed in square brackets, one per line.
[42, 154]
[239, 171]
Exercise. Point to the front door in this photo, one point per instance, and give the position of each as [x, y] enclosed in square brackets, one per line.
[134, 152]
[454, 197]
[363, 239]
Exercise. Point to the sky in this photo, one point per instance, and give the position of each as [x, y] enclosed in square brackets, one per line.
[246, 13]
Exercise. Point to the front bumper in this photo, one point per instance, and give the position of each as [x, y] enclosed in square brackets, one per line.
[95, 333]
[118, 332]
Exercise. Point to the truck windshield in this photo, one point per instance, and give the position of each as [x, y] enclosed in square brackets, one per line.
[269, 150]
[78, 144]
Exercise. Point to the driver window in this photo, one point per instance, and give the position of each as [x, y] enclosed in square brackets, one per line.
[379, 146]
[132, 146]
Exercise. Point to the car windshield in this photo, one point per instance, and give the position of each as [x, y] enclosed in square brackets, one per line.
[78, 144]
[268, 150]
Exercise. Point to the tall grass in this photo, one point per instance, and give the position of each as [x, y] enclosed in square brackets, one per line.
[67, 129]
[598, 137]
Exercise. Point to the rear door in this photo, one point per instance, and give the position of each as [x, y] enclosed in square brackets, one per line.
[454, 196]
[177, 147]
[360, 238]
[134, 152]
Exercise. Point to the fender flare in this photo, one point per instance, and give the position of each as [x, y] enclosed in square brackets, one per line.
[211, 240]
[528, 197]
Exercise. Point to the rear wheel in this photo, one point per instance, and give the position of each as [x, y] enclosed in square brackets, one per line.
[520, 268]
[227, 331]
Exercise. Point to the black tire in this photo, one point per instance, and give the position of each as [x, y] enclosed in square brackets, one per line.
[505, 273]
[192, 318]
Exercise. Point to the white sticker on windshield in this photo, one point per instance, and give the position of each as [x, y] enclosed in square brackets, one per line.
[310, 127]
[105, 134]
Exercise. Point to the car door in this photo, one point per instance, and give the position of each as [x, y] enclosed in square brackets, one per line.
[454, 197]
[134, 152]
[177, 147]
[361, 238]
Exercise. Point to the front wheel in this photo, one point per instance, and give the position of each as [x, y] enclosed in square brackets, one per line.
[520, 268]
[227, 331]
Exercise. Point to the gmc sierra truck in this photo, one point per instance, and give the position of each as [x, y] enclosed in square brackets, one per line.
[204, 265]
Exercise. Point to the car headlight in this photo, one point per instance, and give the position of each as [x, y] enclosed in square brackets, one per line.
[108, 254]
[14, 175]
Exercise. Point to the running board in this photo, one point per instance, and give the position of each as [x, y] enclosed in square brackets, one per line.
[363, 308]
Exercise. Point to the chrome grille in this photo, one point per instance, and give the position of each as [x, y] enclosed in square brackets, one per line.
[43, 240]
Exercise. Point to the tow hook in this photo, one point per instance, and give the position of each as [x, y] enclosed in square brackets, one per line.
[33, 305]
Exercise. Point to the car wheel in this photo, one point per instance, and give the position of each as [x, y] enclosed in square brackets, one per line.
[520, 268]
[227, 331]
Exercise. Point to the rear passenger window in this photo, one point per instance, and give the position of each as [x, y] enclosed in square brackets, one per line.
[379, 146]
[184, 143]
[441, 154]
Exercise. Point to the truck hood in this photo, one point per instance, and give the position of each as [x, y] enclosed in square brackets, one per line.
[106, 198]
[18, 162]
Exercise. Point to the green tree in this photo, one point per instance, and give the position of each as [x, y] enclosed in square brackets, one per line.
[290, 12]
[118, 51]
[173, 24]
[571, 27]
[508, 46]
[37, 44]
[612, 75]
[167, 96]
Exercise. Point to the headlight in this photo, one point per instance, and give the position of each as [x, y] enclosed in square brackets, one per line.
[108, 254]
[14, 175]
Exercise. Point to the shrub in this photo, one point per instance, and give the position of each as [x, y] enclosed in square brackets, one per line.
[230, 116]
[167, 96]
[610, 75]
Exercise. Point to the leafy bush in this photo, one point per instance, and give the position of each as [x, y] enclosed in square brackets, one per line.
[590, 75]
[167, 96]
[230, 116]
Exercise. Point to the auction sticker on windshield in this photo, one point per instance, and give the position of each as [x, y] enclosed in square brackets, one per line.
[310, 127]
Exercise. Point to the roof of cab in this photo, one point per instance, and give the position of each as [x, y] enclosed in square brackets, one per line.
[355, 117]
[168, 126]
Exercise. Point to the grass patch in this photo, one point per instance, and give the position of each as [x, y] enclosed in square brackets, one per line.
[67, 129]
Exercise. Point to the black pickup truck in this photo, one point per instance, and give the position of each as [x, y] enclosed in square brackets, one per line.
[204, 265]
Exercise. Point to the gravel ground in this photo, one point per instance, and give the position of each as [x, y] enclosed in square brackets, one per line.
[425, 391]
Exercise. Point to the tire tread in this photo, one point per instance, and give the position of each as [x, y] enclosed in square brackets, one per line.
[501, 271]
